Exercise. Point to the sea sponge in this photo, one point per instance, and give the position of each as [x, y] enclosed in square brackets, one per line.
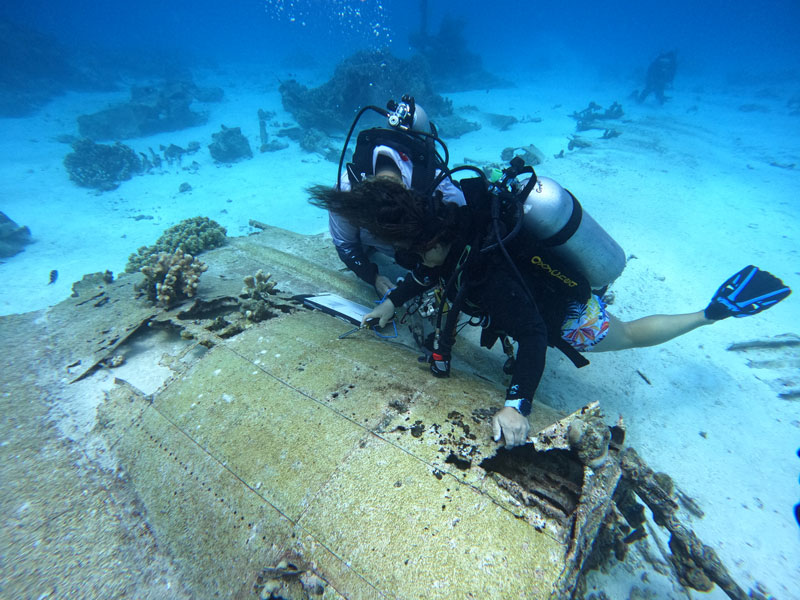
[170, 278]
[193, 236]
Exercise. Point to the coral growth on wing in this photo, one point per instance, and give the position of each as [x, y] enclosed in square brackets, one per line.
[100, 166]
[170, 278]
[290, 580]
[193, 236]
[225, 316]
[256, 304]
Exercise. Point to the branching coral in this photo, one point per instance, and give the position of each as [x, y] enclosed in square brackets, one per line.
[190, 235]
[256, 303]
[170, 278]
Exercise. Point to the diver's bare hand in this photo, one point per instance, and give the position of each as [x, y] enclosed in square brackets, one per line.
[383, 312]
[511, 425]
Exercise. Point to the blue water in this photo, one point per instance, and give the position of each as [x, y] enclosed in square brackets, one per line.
[715, 38]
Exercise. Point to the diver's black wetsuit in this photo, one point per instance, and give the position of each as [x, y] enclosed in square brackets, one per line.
[511, 312]
[495, 292]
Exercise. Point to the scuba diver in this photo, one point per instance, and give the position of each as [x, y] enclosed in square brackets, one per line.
[404, 152]
[523, 260]
[660, 74]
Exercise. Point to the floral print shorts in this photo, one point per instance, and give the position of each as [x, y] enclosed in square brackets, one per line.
[585, 324]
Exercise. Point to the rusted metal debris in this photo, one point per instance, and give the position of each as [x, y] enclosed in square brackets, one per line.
[595, 500]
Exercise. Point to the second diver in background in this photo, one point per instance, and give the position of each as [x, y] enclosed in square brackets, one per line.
[660, 74]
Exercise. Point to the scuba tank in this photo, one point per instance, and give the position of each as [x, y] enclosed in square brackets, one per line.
[554, 219]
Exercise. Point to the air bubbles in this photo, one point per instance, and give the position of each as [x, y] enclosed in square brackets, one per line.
[342, 18]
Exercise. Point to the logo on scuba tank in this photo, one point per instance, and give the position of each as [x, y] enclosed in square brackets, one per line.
[537, 261]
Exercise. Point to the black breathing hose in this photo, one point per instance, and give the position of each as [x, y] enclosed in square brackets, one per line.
[511, 263]
[350, 134]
